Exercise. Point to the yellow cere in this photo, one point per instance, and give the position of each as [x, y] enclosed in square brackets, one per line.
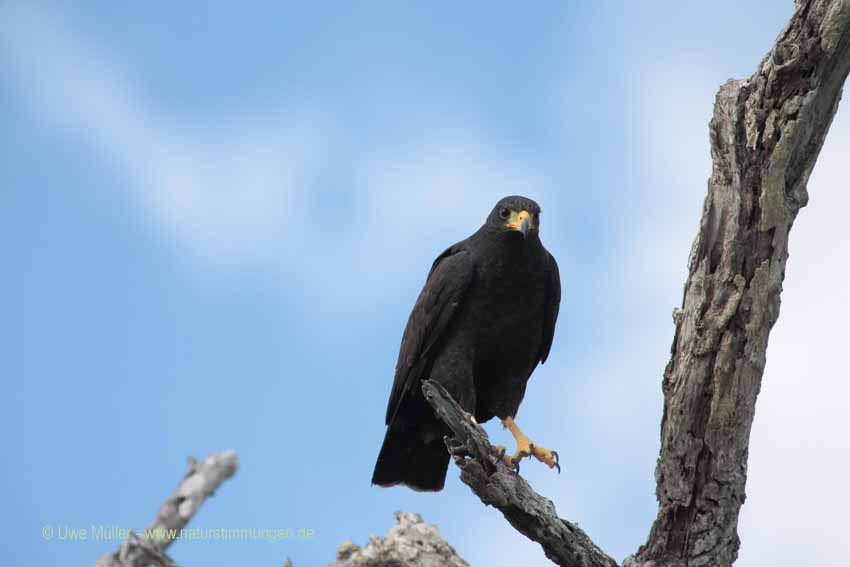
[516, 218]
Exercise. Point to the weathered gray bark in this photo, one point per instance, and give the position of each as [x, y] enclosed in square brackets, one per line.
[200, 481]
[484, 471]
[410, 543]
[766, 134]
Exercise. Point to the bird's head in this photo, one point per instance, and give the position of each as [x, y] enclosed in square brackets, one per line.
[516, 214]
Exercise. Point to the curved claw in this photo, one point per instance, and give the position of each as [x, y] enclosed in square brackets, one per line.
[511, 461]
[547, 456]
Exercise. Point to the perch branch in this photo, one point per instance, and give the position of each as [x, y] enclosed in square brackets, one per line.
[497, 485]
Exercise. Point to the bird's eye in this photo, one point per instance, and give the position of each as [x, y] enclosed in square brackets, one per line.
[536, 218]
[505, 213]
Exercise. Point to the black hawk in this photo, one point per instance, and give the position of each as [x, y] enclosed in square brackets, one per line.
[483, 321]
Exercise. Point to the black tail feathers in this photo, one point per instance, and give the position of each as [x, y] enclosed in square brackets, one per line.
[412, 457]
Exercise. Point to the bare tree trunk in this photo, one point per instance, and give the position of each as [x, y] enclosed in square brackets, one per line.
[765, 136]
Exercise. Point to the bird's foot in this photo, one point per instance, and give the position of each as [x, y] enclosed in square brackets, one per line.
[546, 456]
[526, 448]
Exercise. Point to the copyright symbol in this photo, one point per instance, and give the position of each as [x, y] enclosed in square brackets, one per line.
[47, 532]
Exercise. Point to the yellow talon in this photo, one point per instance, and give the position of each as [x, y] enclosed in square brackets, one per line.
[525, 448]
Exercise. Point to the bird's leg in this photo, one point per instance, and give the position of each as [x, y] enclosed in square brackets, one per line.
[526, 448]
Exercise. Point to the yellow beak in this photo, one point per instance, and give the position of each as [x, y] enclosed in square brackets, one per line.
[520, 221]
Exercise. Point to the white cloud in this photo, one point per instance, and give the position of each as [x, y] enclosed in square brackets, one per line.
[672, 107]
[221, 194]
[225, 196]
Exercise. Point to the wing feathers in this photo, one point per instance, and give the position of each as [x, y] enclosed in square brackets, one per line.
[447, 283]
[553, 302]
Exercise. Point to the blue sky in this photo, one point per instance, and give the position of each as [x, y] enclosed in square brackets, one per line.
[216, 219]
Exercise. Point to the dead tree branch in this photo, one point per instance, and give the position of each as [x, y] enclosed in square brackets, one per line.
[766, 134]
[411, 543]
[201, 480]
